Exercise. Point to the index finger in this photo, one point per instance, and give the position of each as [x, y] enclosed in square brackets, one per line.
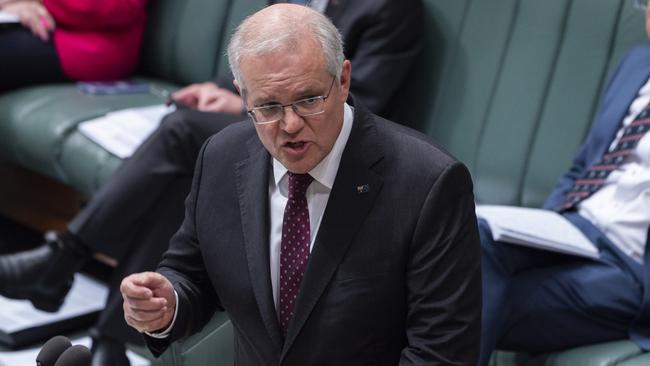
[47, 21]
[142, 285]
[188, 91]
[152, 280]
[208, 97]
[132, 290]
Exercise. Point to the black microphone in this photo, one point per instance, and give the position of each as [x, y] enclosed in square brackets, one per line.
[51, 350]
[76, 355]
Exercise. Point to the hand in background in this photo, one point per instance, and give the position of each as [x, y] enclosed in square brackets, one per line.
[149, 301]
[33, 15]
[208, 97]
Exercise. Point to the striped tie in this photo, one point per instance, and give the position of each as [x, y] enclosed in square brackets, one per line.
[595, 177]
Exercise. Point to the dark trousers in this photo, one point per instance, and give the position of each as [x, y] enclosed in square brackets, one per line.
[539, 301]
[133, 216]
[26, 60]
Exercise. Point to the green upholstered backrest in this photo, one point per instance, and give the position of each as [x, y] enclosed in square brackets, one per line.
[510, 86]
[183, 42]
[186, 40]
[239, 10]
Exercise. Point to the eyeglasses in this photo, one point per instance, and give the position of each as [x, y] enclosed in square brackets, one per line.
[304, 107]
[641, 5]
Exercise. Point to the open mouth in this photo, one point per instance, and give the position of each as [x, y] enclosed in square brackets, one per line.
[295, 145]
[297, 148]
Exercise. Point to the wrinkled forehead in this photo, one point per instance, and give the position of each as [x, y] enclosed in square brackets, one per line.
[293, 61]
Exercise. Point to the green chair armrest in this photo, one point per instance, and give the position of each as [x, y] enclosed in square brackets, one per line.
[622, 352]
[643, 360]
[212, 346]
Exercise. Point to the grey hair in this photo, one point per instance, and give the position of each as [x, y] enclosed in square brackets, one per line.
[260, 35]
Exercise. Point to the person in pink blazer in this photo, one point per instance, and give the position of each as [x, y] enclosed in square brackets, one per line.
[62, 40]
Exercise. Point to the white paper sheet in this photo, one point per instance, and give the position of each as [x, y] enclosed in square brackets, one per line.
[85, 296]
[27, 357]
[541, 229]
[8, 18]
[121, 132]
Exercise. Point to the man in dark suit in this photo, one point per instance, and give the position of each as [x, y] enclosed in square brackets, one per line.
[133, 216]
[538, 301]
[330, 235]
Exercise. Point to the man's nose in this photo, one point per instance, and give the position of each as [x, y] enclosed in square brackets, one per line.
[292, 122]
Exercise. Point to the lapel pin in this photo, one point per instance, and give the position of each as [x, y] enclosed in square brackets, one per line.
[364, 188]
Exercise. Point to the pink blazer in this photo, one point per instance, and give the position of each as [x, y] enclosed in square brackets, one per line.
[98, 40]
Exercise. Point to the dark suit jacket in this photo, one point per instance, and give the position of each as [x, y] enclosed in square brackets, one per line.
[382, 39]
[632, 73]
[394, 274]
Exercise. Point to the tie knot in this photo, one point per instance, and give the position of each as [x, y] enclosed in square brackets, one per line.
[298, 183]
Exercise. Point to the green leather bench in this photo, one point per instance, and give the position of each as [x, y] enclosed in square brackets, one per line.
[510, 88]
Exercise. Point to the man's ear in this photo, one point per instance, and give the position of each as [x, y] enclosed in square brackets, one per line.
[346, 75]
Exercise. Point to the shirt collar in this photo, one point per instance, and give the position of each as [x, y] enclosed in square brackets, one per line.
[325, 171]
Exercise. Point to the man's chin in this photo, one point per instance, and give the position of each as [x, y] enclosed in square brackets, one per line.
[300, 166]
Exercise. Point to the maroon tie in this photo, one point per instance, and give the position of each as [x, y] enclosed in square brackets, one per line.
[595, 177]
[294, 247]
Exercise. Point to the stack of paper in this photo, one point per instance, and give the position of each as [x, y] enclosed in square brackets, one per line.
[121, 132]
[541, 229]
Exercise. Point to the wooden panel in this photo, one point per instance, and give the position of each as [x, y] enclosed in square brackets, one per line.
[36, 201]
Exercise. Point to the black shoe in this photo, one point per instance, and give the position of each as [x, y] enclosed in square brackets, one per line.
[107, 352]
[42, 275]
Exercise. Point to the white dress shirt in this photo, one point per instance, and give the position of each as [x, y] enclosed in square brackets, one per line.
[318, 193]
[621, 208]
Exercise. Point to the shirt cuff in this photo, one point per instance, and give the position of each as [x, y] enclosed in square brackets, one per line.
[165, 333]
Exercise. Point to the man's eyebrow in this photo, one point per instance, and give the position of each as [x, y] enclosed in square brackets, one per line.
[301, 93]
[308, 91]
[264, 101]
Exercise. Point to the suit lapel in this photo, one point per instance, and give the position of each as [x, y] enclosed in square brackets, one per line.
[252, 177]
[357, 184]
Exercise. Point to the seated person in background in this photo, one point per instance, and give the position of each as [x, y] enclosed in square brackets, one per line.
[64, 40]
[538, 301]
[313, 226]
[133, 216]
